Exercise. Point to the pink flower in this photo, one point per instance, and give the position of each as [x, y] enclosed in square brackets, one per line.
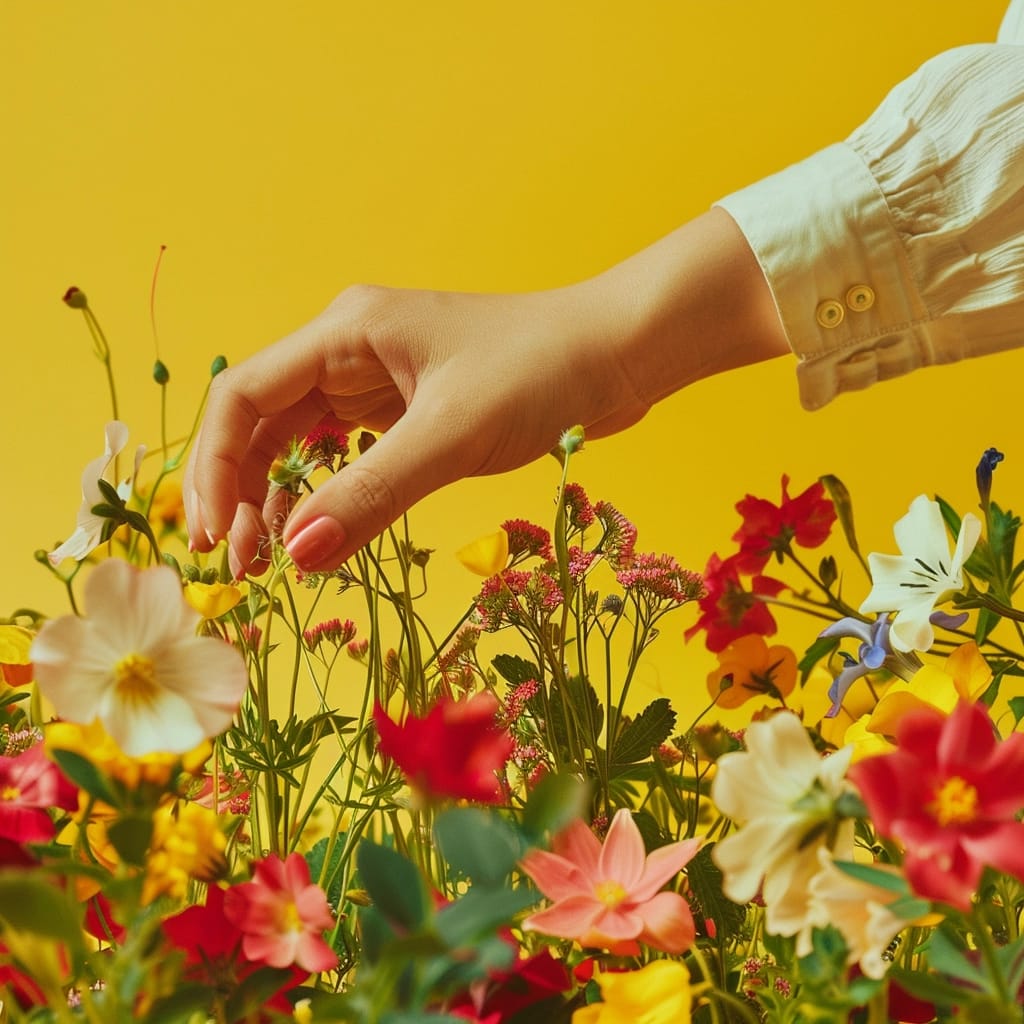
[282, 915]
[949, 793]
[608, 895]
[30, 785]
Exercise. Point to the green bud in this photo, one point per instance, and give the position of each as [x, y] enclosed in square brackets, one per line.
[572, 440]
[828, 571]
[190, 572]
[42, 557]
[75, 298]
[210, 575]
[219, 365]
[160, 373]
[420, 556]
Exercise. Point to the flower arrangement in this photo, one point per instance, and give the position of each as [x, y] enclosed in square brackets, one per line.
[191, 828]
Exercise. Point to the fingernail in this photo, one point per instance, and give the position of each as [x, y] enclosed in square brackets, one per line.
[316, 543]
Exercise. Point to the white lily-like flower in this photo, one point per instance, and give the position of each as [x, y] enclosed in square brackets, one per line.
[136, 663]
[89, 527]
[782, 794]
[859, 909]
[912, 583]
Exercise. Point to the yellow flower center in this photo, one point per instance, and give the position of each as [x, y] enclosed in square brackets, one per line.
[10, 793]
[135, 679]
[611, 894]
[290, 920]
[955, 802]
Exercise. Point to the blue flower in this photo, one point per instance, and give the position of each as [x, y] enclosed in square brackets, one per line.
[874, 649]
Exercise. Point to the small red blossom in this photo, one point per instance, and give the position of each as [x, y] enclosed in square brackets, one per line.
[517, 701]
[332, 631]
[326, 442]
[22, 987]
[282, 915]
[577, 504]
[526, 539]
[661, 577]
[949, 793]
[619, 535]
[456, 750]
[728, 609]
[770, 529]
[30, 785]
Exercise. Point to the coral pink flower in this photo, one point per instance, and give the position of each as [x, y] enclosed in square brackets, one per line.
[282, 915]
[455, 751]
[949, 793]
[608, 895]
[30, 785]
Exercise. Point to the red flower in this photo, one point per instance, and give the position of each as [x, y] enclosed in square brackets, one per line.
[282, 915]
[30, 784]
[501, 996]
[25, 991]
[949, 793]
[770, 529]
[728, 611]
[212, 945]
[455, 751]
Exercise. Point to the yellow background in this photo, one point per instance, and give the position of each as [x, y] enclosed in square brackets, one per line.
[284, 151]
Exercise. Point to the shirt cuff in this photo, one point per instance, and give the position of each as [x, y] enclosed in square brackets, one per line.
[824, 237]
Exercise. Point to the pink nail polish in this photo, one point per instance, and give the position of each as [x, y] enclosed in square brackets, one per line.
[316, 543]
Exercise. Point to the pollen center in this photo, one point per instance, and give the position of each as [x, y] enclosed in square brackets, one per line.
[955, 802]
[290, 920]
[10, 793]
[611, 894]
[135, 679]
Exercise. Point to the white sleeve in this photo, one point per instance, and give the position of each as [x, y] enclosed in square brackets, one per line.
[903, 246]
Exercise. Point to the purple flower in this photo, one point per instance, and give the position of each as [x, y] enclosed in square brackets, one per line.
[874, 649]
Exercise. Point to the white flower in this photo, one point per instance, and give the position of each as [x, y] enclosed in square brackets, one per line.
[89, 526]
[858, 909]
[136, 664]
[782, 793]
[915, 581]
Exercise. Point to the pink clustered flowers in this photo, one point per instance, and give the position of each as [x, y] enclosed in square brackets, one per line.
[609, 894]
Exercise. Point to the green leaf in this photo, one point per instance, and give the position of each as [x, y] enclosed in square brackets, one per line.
[85, 775]
[987, 621]
[375, 934]
[705, 881]
[875, 876]
[514, 669]
[31, 902]
[394, 885]
[947, 958]
[255, 990]
[478, 843]
[552, 804]
[131, 837]
[110, 495]
[1017, 707]
[647, 731]
[823, 647]
[329, 880]
[181, 1005]
[843, 504]
[480, 912]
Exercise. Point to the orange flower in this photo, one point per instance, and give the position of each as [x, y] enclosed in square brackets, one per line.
[747, 668]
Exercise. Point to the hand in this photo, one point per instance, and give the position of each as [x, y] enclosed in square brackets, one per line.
[462, 385]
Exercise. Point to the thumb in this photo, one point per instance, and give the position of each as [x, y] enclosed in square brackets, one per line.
[361, 501]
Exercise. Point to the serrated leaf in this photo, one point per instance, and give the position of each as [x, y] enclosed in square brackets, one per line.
[330, 880]
[480, 844]
[647, 731]
[394, 884]
[514, 669]
[705, 881]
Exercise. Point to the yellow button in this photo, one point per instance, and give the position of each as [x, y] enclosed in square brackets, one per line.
[829, 313]
[859, 298]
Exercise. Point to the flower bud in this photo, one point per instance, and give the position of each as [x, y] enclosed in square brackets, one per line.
[75, 298]
[572, 440]
[990, 458]
[365, 441]
[160, 373]
[219, 365]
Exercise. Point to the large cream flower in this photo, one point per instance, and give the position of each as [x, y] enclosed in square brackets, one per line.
[136, 663]
[782, 793]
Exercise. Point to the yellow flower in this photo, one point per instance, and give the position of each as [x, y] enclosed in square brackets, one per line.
[15, 663]
[168, 509]
[187, 844]
[486, 556]
[964, 676]
[659, 993]
[212, 600]
[94, 743]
